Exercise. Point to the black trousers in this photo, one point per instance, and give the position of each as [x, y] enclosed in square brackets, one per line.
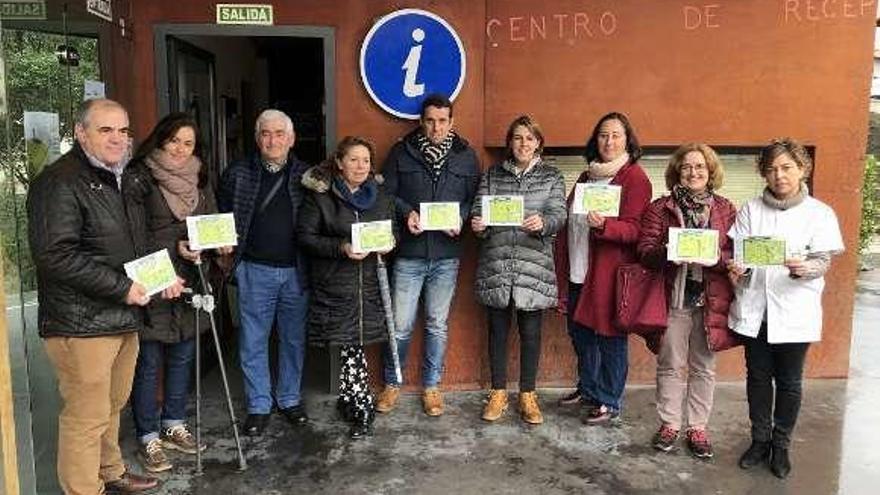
[773, 419]
[529, 324]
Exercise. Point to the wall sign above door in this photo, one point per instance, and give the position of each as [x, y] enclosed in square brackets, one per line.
[101, 8]
[245, 13]
[408, 55]
[23, 9]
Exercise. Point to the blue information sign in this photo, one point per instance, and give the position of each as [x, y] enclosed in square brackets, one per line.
[408, 55]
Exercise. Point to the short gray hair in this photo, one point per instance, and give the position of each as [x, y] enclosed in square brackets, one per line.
[84, 112]
[272, 114]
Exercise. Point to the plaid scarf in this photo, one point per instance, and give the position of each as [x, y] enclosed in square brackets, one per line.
[694, 206]
[434, 154]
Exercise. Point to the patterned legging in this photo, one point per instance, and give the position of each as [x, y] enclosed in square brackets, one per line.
[354, 386]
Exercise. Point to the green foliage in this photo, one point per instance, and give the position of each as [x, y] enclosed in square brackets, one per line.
[18, 268]
[35, 81]
[870, 203]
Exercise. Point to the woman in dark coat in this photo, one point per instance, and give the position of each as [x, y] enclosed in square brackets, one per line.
[698, 295]
[346, 306]
[174, 188]
[588, 252]
[515, 272]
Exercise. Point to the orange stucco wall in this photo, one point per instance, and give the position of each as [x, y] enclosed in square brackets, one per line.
[728, 73]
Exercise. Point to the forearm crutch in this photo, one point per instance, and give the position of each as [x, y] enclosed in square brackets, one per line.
[205, 302]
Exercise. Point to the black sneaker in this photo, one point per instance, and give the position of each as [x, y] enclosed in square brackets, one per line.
[757, 453]
[570, 398]
[665, 438]
[699, 444]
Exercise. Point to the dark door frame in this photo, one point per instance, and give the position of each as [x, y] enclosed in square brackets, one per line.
[325, 33]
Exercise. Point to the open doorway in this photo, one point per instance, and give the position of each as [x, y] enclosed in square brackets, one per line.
[225, 76]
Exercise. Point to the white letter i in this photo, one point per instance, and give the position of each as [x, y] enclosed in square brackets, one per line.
[411, 65]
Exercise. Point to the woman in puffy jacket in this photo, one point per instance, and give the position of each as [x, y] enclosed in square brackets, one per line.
[515, 271]
[345, 306]
[698, 295]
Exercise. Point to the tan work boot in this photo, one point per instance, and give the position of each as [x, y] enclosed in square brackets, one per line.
[528, 408]
[432, 401]
[387, 400]
[496, 406]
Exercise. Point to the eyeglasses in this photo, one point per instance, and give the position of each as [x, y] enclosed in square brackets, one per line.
[697, 167]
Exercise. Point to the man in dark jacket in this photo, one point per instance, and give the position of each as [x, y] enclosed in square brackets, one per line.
[264, 194]
[431, 164]
[83, 226]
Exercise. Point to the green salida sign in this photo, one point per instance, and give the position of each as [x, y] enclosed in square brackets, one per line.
[245, 13]
[23, 9]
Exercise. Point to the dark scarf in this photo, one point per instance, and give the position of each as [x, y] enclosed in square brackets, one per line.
[361, 200]
[784, 204]
[694, 207]
[434, 154]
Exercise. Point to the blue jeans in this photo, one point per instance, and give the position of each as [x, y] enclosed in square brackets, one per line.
[438, 279]
[602, 361]
[267, 294]
[178, 360]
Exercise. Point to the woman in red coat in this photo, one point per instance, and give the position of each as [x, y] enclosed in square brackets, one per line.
[698, 295]
[588, 252]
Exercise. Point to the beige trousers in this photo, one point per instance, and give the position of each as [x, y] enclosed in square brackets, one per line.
[685, 371]
[94, 378]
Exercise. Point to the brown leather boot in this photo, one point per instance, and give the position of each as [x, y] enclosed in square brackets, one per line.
[528, 408]
[130, 483]
[432, 401]
[387, 400]
[496, 406]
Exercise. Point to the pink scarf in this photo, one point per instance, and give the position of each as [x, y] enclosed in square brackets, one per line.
[605, 170]
[179, 183]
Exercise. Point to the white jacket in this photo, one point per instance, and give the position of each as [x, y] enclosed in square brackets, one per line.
[793, 306]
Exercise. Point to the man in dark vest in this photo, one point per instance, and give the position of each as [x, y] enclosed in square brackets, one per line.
[264, 194]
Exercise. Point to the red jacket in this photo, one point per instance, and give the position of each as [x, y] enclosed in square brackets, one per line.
[664, 213]
[611, 246]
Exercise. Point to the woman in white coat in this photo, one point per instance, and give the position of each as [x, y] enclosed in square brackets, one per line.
[778, 308]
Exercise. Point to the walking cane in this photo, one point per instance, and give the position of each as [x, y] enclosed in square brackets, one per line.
[198, 393]
[205, 302]
[385, 291]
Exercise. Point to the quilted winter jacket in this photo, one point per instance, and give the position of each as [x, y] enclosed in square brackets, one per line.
[409, 180]
[82, 228]
[513, 263]
[662, 214]
[345, 305]
[238, 192]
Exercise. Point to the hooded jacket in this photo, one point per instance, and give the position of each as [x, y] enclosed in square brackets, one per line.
[345, 305]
